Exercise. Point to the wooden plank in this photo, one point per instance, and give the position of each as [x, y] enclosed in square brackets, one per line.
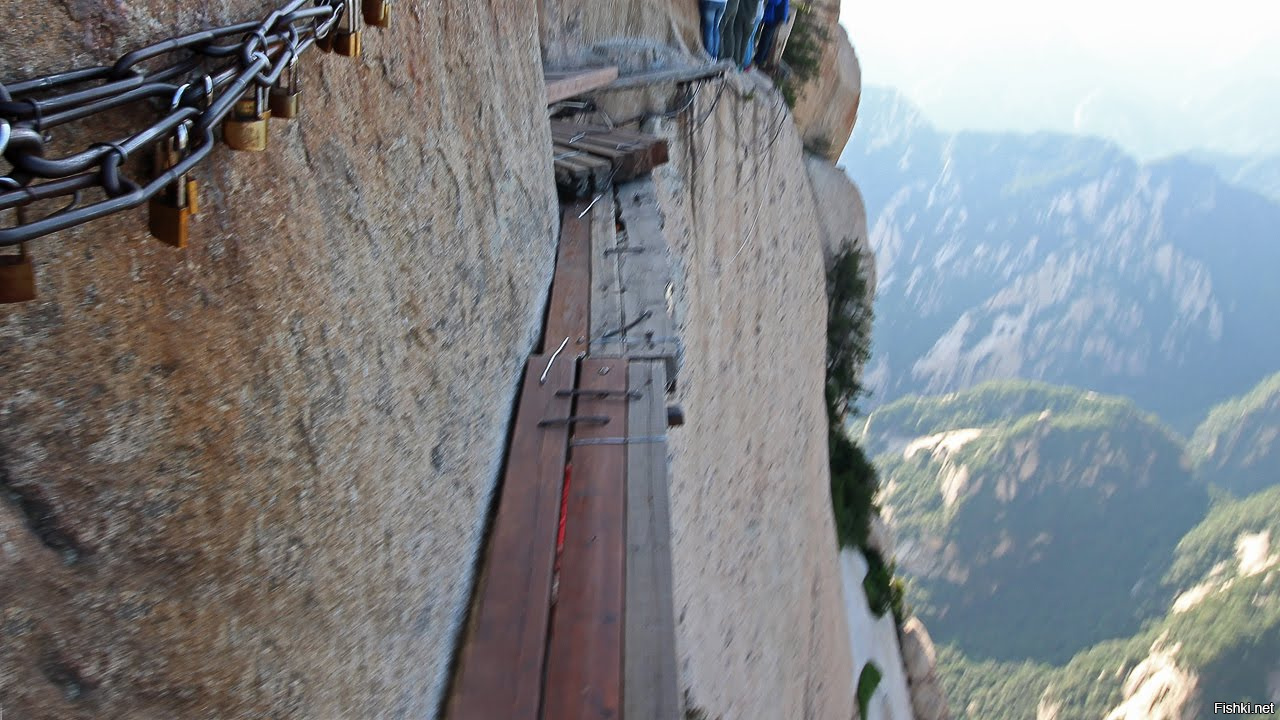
[628, 159]
[568, 313]
[562, 86]
[581, 171]
[648, 151]
[606, 299]
[596, 129]
[650, 686]
[678, 75]
[501, 663]
[584, 666]
[645, 273]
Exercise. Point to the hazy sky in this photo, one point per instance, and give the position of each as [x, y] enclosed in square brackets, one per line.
[1019, 64]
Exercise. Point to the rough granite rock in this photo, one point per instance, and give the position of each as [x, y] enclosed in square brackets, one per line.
[842, 214]
[828, 107]
[569, 27]
[249, 480]
[761, 626]
[928, 700]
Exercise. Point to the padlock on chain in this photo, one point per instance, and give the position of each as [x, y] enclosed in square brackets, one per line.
[377, 13]
[347, 43]
[172, 209]
[286, 100]
[17, 274]
[247, 127]
[17, 277]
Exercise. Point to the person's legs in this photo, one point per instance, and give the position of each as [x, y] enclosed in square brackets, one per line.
[764, 51]
[747, 12]
[712, 16]
[749, 57]
[729, 29]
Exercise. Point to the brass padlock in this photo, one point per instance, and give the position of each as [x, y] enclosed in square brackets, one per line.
[172, 209]
[347, 42]
[17, 277]
[286, 100]
[377, 13]
[247, 127]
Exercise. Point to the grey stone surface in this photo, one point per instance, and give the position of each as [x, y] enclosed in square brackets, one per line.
[250, 479]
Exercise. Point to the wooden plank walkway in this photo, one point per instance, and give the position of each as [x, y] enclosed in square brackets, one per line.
[644, 269]
[564, 84]
[606, 288]
[584, 666]
[588, 159]
[604, 646]
[651, 685]
[501, 665]
[568, 313]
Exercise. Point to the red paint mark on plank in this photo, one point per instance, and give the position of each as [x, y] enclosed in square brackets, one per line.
[501, 664]
[584, 667]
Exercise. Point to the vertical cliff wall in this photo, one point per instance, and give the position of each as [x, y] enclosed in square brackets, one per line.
[570, 27]
[761, 630]
[250, 479]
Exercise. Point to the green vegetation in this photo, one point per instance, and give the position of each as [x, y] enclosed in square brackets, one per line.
[1237, 447]
[803, 53]
[989, 403]
[1057, 527]
[868, 681]
[853, 478]
[1076, 531]
[884, 591]
[1215, 538]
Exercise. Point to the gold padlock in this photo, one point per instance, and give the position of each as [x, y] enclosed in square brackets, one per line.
[172, 209]
[377, 13]
[17, 277]
[347, 43]
[286, 100]
[247, 127]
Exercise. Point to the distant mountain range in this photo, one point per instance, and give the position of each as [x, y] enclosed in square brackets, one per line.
[1061, 258]
[1062, 548]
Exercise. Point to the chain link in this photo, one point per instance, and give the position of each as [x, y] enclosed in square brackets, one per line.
[194, 80]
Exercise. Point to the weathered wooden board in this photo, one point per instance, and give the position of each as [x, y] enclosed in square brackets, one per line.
[584, 666]
[500, 669]
[678, 75]
[631, 153]
[606, 298]
[564, 84]
[580, 172]
[650, 686]
[568, 313]
[645, 274]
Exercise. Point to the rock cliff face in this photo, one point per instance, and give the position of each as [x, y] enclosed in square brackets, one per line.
[570, 27]
[928, 700]
[761, 630]
[827, 110]
[250, 479]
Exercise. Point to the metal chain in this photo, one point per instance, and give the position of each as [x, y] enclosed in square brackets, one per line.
[195, 81]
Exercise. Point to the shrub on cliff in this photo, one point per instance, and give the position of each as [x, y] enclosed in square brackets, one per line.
[803, 53]
[853, 478]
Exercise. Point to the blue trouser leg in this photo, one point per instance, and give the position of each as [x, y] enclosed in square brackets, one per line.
[712, 16]
[749, 53]
[747, 14]
[768, 34]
